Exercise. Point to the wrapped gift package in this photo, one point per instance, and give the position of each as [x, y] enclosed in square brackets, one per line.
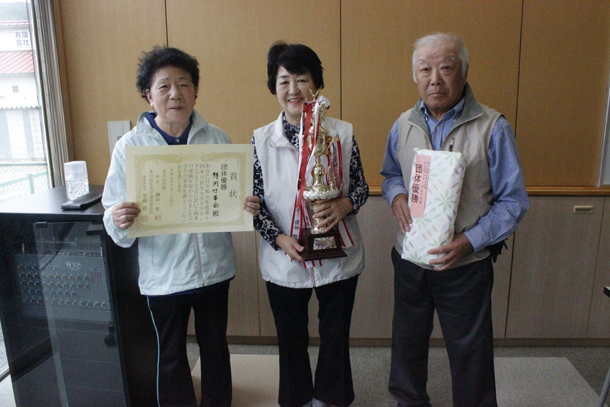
[434, 195]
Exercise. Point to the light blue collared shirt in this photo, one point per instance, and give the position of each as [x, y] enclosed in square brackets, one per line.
[510, 201]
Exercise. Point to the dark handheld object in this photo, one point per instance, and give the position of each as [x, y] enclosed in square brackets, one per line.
[83, 201]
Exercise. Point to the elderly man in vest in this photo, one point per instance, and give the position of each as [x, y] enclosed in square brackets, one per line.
[459, 282]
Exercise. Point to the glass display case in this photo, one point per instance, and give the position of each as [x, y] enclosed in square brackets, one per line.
[77, 331]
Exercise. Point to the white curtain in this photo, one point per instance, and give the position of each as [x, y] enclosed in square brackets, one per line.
[41, 16]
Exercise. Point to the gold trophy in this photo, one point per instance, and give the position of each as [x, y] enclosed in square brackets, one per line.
[319, 242]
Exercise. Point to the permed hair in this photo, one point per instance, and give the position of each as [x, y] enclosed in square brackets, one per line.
[442, 38]
[298, 59]
[161, 57]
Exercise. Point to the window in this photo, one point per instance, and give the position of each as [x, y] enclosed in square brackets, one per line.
[23, 161]
[33, 144]
[22, 39]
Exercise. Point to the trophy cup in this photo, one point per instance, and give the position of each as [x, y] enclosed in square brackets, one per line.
[319, 242]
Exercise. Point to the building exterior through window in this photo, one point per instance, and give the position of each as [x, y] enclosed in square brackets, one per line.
[23, 151]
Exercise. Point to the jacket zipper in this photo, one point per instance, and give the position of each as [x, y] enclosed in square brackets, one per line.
[199, 267]
[448, 135]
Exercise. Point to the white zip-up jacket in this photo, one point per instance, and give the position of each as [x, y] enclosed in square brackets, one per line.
[279, 163]
[177, 262]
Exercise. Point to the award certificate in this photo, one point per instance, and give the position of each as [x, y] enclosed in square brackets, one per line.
[193, 188]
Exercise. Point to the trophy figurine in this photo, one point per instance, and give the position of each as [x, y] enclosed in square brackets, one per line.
[319, 242]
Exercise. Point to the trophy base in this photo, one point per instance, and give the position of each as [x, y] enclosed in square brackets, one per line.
[320, 246]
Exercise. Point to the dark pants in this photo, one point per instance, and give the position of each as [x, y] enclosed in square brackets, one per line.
[462, 299]
[333, 380]
[170, 316]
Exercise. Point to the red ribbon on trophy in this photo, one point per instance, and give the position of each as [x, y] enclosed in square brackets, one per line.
[320, 150]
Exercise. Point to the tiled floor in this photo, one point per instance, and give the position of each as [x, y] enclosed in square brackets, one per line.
[255, 379]
[371, 368]
[521, 382]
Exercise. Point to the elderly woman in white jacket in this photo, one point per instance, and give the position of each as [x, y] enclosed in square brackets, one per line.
[178, 272]
[294, 74]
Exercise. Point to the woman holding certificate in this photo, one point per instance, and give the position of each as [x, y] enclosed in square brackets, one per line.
[178, 272]
[294, 156]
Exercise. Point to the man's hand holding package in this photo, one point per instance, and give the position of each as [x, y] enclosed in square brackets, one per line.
[459, 248]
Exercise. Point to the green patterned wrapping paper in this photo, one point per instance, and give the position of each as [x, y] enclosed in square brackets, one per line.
[444, 185]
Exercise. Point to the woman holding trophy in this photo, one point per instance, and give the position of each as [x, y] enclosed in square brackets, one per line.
[309, 178]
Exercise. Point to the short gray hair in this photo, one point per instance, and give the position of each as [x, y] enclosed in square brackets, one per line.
[440, 38]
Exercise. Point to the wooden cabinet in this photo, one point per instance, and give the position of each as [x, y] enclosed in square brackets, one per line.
[243, 301]
[548, 283]
[499, 295]
[599, 319]
[554, 268]
[373, 307]
[244, 312]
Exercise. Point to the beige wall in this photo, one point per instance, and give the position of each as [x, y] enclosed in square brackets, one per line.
[102, 43]
[544, 64]
[377, 45]
[231, 40]
[562, 91]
